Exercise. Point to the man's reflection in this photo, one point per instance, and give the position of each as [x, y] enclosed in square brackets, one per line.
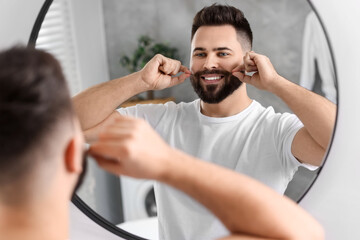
[235, 132]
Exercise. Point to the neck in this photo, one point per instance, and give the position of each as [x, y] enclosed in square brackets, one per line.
[233, 104]
[35, 221]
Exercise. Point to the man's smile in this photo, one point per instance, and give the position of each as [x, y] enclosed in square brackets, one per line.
[211, 78]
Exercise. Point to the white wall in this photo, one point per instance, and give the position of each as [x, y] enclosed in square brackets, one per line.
[335, 197]
[16, 21]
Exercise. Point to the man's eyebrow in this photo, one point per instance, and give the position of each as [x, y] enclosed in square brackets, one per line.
[221, 49]
[199, 49]
[214, 49]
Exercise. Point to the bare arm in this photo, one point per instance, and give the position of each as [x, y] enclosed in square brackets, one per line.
[247, 208]
[97, 103]
[314, 111]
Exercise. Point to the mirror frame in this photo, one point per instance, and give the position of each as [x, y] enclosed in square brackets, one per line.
[94, 216]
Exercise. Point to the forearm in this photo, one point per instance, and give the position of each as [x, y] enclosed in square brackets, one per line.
[315, 112]
[98, 102]
[242, 204]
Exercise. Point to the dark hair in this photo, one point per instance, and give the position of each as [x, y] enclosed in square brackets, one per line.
[217, 15]
[34, 100]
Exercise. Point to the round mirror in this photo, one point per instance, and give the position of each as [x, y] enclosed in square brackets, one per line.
[96, 41]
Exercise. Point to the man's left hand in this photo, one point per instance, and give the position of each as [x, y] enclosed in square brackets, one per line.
[265, 76]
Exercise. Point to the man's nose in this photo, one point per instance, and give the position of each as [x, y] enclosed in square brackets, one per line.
[210, 62]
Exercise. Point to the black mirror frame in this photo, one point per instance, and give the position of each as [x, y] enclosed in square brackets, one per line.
[76, 200]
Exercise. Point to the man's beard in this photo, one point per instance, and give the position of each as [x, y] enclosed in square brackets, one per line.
[215, 93]
[82, 174]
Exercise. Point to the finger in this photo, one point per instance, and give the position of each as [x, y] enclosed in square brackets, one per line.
[184, 69]
[240, 68]
[253, 54]
[116, 133]
[163, 63]
[176, 65]
[164, 70]
[111, 166]
[251, 68]
[158, 59]
[119, 126]
[256, 58]
[179, 79]
[262, 62]
[246, 79]
[126, 121]
[123, 118]
[248, 61]
[180, 68]
[109, 149]
[239, 74]
[169, 66]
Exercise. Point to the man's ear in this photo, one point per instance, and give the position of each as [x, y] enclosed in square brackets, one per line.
[72, 157]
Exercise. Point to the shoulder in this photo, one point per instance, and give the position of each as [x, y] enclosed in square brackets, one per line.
[260, 112]
[268, 115]
[172, 106]
[188, 105]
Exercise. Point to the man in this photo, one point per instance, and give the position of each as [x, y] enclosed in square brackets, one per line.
[225, 126]
[41, 148]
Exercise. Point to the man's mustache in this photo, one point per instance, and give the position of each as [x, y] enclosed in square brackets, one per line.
[215, 71]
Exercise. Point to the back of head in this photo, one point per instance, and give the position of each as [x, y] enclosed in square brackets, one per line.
[34, 102]
[217, 15]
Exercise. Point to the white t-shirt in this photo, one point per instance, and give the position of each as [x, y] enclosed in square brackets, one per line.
[255, 142]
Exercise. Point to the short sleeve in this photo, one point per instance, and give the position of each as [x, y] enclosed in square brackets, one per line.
[286, 128]
[152, 113]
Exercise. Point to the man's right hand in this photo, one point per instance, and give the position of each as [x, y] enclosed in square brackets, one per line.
[130, 147]
[159, 73]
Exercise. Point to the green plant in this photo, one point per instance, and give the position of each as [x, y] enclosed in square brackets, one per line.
[146, 49]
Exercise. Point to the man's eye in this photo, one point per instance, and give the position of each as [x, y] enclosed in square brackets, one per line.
[200, 54]
[223, 54]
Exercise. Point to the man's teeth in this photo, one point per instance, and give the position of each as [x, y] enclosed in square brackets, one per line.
[212, 78]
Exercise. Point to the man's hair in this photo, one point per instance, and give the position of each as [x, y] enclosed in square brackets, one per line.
[34, 102]
[217, 15]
